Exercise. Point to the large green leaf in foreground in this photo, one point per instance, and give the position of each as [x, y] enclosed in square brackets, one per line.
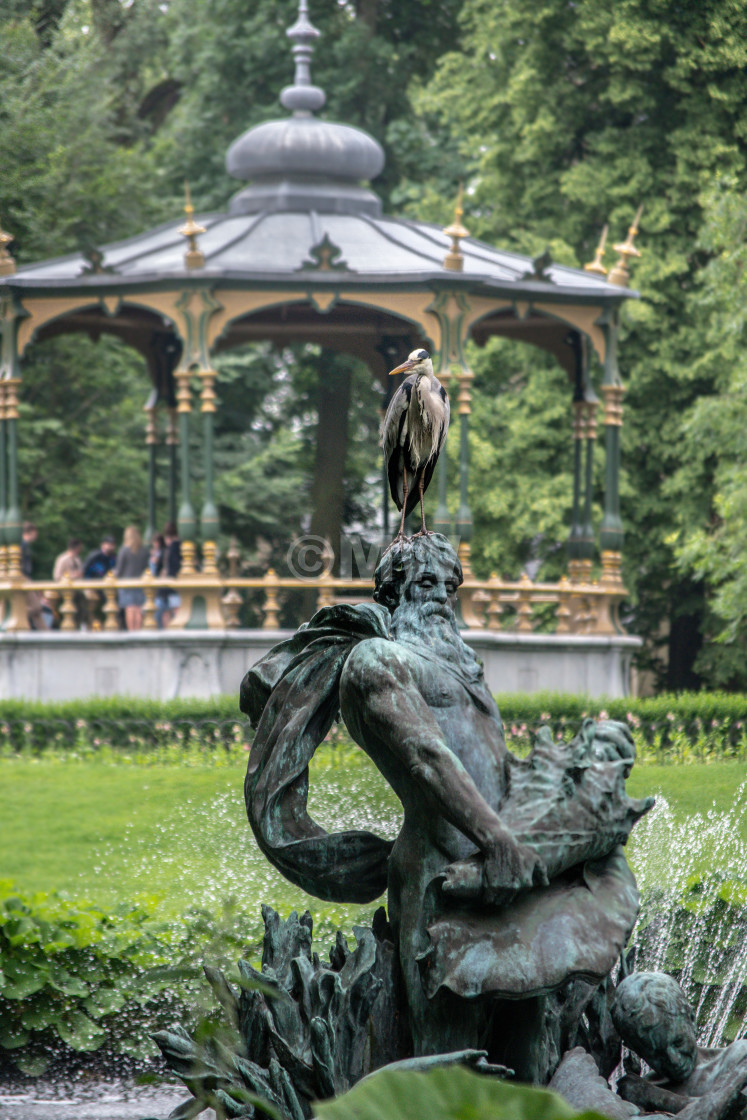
[445, 1094]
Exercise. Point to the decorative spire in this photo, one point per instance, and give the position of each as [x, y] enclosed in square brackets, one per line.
[620, 274]
[596, 265]
[194, 257]
[302, 97]
[456, 231]
[7, 263]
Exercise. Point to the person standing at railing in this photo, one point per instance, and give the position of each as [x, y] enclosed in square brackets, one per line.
[101, 561]
[38, 610]
[69, 564]
[96, 565]
[132, 561]
[168, 599]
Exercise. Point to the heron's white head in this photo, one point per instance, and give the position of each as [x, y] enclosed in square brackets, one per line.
[418, 362]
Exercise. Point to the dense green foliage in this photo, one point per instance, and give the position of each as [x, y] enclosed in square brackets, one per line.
[121, 723]
[76, 979]
[560, 118]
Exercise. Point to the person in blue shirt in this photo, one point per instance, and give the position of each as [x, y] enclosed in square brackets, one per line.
[101, 560]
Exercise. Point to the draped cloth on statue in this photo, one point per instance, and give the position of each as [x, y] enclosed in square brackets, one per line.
[292, 699]
[575, 927]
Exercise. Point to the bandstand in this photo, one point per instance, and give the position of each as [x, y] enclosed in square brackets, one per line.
[304, 254]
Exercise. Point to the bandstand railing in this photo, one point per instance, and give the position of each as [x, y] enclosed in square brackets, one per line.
[270, 602]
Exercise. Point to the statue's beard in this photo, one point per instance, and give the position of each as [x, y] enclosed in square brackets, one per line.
[433, 626]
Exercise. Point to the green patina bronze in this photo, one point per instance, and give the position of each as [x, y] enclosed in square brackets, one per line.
[507, 880]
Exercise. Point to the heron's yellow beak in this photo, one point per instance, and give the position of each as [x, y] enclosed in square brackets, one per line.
[401, 369]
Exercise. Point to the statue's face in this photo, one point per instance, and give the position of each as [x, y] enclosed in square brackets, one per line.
[678, 1050]
[432, 587]
[669, 1046]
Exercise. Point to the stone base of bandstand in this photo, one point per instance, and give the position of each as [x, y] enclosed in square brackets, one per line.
[158, 665]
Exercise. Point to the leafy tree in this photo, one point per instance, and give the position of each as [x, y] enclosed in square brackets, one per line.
[521, 481]
[568, 116]
[709, 491]
[82, 455]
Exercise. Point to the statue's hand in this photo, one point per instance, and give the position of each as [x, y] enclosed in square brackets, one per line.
[508, 868]
[497, 874]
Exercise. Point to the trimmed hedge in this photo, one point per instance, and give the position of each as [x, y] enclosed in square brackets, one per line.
[687, 726]
[122, 723]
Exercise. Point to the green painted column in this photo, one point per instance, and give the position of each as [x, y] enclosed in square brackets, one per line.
[151, 439]
[587, 549]
[442, 520]
[209, 521]
[463, 523]
[172, 443]
[575, 548]
[12, 509]
[612, 536]
[186, 517]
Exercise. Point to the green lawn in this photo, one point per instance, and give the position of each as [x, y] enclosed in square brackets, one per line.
[172, 836]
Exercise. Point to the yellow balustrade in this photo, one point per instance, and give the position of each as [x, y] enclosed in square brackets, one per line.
[494, 605]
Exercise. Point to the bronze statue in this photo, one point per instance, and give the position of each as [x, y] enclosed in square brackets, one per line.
[507, 879]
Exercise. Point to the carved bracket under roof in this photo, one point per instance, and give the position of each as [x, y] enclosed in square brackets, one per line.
[196, 308]
[9, 319]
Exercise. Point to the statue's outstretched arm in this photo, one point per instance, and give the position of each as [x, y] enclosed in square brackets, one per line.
[386, 713]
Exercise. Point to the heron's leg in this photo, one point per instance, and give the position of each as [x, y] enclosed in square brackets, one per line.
[423, 531]
[401, 534]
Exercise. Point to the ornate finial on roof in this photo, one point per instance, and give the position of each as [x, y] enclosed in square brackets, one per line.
[596, 265]
[456, 231]
[302, 97]
[620, 274]
[7, 263]
[194, 257]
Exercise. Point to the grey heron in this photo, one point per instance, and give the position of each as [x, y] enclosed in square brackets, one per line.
[413, 433]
